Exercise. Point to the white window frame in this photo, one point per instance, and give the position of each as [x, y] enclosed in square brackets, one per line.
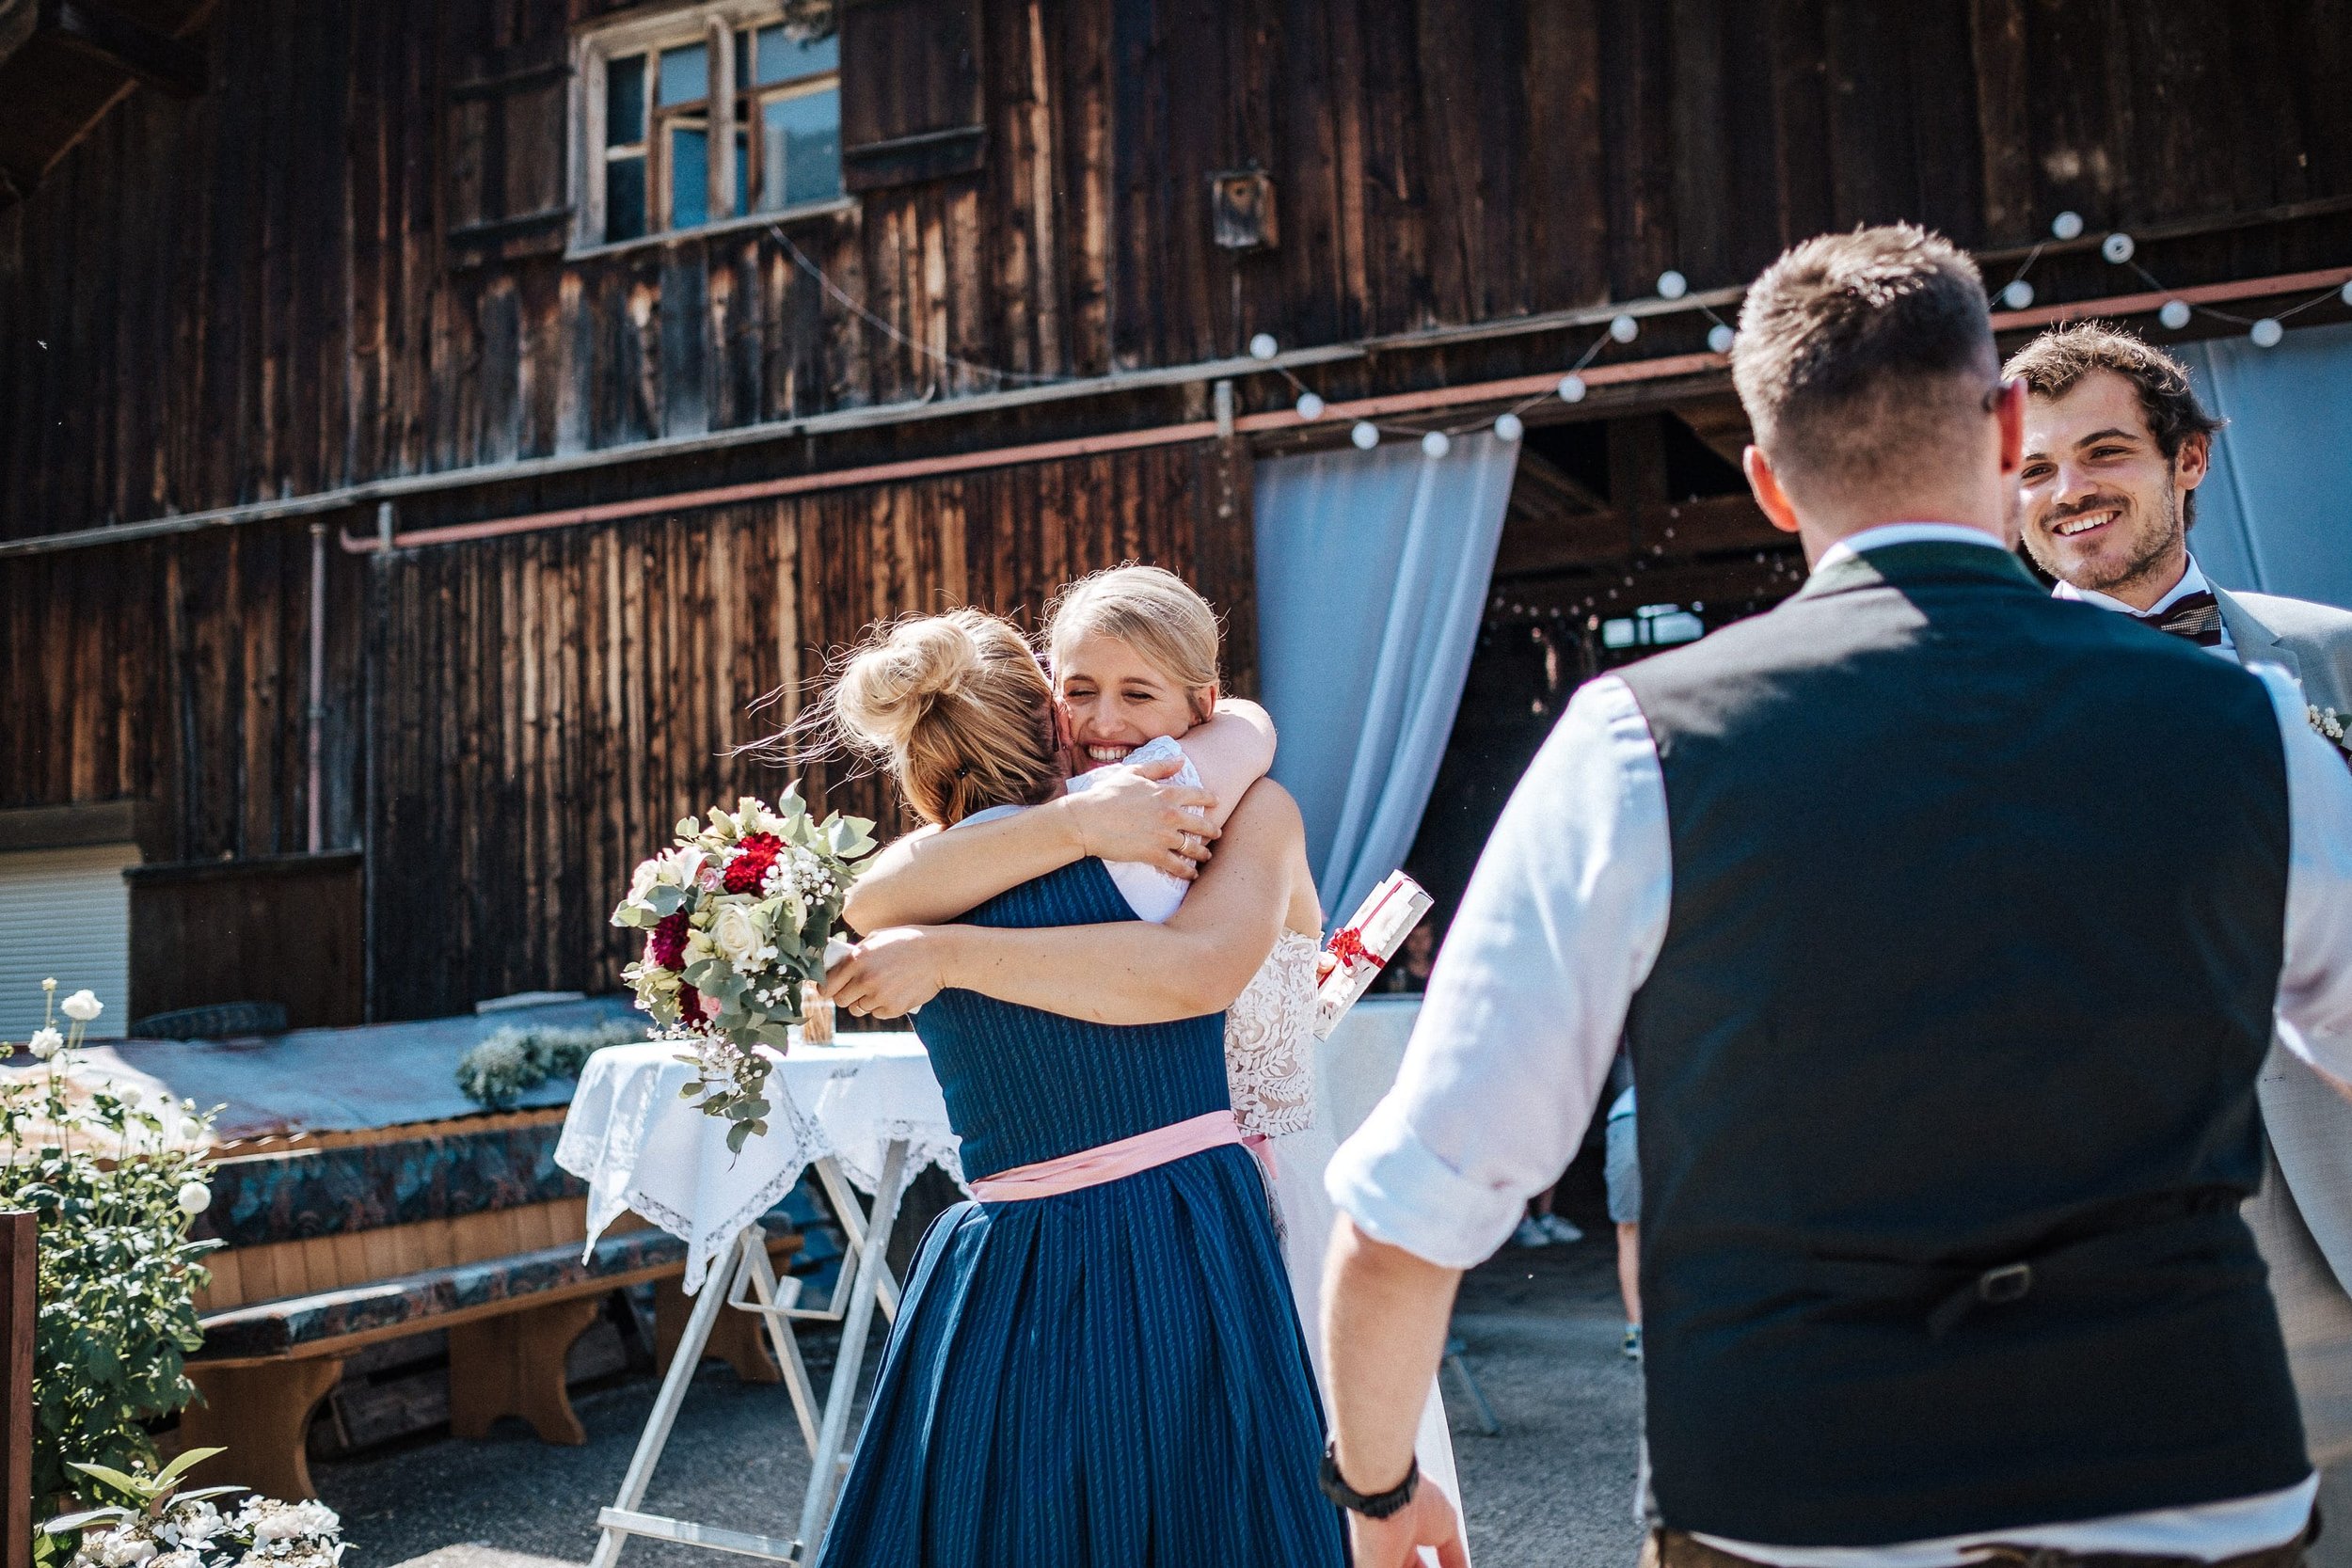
[717, 24]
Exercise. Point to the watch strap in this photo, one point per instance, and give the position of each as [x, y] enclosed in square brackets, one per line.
[1378, 1505]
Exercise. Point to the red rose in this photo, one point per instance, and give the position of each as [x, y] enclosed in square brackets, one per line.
[666, 946]
[690, 1005]
[750, 868]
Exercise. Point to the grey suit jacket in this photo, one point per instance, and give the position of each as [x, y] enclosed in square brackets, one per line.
[2308, 1122]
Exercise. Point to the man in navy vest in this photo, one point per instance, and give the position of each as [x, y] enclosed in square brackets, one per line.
[2116, 447]
[1947, 1083]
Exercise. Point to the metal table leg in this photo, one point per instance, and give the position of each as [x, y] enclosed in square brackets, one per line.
[824, 1476]
[616, 1523]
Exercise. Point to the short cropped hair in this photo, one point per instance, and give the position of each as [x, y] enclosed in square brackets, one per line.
[1858, 352]
[2055, 363]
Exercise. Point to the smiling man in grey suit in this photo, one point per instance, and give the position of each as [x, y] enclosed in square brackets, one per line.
[2116, 445]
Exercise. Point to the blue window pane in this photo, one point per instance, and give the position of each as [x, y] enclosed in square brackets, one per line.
[742, 170]
[685, 74]
[690, 178]
[624, 200]
[625, 100]
[783, 57]
[801, 148]
[744, 49]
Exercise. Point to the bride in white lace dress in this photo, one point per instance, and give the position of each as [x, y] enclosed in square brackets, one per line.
[1133, 669]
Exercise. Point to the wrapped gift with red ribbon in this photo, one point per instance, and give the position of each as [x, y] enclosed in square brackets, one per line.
[1357, 951]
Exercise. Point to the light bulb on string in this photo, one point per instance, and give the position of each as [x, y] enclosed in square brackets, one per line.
[2344, 294]
[2266, 332]
[1572, 387]
[1624, 329]
[2118, 248]
[2066, 226]
[1263, 347]
[1436, 444]
[1508, 427]
[1719, 338]
[2018, 295]
[2174, 314]
[1365, 434]
[1310, 406]
[1672, 284]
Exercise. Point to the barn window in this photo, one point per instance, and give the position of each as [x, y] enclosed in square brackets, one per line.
[706, 116]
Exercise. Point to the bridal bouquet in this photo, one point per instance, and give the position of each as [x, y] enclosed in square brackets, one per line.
[736, 913]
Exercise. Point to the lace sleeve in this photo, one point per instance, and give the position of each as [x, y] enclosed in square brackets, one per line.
[1268, 1066]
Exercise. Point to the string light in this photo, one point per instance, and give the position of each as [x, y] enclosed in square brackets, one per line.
[1672, 284]
[2066, 226]
[2266, 332]
[1719, 338]
[1508, 427]
[1310, 406]
[1436, 444]
[2018, 295]
[1263, 347]
[2118, 248]
[1365, 434]
[1572, 387]
[1624, 329]
[2176, 314]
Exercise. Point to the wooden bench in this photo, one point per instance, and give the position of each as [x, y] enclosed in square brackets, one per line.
[477, 1233]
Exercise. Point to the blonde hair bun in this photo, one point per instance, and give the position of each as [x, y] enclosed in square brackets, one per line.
[957, 705]
[892, 685]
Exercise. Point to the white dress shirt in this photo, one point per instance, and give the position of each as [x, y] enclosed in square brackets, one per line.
[1559, 928]
[2192, 581]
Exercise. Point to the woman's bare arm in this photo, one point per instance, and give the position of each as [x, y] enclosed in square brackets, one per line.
[1131, 972]
[928, 877]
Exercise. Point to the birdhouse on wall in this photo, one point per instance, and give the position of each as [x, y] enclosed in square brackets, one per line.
[1241, 206]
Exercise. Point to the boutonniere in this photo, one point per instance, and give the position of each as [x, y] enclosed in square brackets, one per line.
[2332, 725]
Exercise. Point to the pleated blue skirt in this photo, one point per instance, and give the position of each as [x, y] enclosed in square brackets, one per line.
[1109, 1377]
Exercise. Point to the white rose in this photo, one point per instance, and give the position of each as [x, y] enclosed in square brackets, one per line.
[194, 1197]
[679, 866]
[81, 1006]
[47, 1042]
[737, 936]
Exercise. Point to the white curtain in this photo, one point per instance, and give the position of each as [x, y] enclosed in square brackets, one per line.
[2275, 516]
[1372, 569]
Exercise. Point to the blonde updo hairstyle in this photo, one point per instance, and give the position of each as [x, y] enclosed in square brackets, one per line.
[958, 708]
[1151, 610]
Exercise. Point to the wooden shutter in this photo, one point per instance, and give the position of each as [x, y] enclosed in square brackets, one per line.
[508, 138]
[912, 104]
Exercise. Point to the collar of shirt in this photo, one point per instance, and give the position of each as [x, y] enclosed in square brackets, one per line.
[2192, 581]
[1886, 534]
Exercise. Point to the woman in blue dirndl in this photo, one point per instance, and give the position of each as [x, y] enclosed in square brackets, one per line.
[1097, 1363]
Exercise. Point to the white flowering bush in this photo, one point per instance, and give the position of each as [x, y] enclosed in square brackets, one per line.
[159, 1525]
[115, 1182]
[2331, 726]
[736, 913]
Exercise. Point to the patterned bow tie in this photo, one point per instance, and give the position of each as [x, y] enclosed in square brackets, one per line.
[2195, 616]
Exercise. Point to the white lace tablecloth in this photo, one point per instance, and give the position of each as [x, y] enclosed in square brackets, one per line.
[639, 1146]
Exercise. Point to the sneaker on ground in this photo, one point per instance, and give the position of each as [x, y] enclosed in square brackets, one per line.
[1558, 1228]
[1530, 1234]
[1632, 1345]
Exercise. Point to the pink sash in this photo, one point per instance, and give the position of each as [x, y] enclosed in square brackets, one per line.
[1091, 1167]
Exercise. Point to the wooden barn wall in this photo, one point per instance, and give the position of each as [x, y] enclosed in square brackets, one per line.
[176, 672]
[250, 295]
[554, 702]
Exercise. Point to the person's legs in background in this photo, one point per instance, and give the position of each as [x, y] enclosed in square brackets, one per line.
[1623, 1171]
[1540, 1227]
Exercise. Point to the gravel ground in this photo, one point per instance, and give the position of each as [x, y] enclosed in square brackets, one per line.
[1540, 1330]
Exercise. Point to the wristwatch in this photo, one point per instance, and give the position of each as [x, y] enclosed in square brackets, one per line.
[1377, 1506]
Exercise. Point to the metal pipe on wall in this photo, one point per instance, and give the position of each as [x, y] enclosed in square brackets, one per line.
[315, 742]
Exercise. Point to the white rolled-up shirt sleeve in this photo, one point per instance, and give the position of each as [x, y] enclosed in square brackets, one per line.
[2315, 980]
[1527, 1003]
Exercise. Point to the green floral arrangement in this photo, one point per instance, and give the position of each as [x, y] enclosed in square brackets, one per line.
[518, 1058]
[160, 1525]
[115, 1182]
